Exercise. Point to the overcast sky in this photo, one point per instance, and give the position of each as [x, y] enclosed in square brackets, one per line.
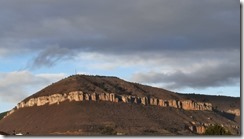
[187, 46]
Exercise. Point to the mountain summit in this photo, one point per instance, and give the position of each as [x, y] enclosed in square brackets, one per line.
[103, 84]
[101, 105]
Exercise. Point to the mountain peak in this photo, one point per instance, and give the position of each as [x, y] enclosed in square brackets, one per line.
[102, 84]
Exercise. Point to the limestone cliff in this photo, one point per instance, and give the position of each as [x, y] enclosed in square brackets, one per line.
[80, 96]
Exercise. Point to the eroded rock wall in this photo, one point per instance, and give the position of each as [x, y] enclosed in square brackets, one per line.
[191, 105]
[112, 97]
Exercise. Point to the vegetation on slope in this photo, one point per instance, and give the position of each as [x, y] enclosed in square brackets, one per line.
[216, 130]
[2, 115]
[107, 131]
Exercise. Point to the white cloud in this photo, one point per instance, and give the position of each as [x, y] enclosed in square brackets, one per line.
[17, 85]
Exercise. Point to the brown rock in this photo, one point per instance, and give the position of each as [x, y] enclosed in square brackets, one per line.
[94, 97]
[112, 97]
[125, 99]
[102, 96]
[200, 129]
[144, 100]
[234, 111]
[153, 101]
[192, 128]
[87, 97]
[179, 104]
[81, 96]
[116, 100]
[137, 100]
[74, 96]
[173, 103]
[21, 105]
[55, 98]
[42, 100]
[208, 106]
[107, 97]
[166, 103]
[191, 105]
[161, 102]
[187, 105]
[31, 102]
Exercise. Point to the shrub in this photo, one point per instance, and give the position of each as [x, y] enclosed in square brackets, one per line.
[216, 130]
[2, 115]
[107, 131]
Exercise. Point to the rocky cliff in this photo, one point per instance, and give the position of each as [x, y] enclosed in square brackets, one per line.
[112, 97]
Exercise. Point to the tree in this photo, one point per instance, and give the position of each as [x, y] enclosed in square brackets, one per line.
[216, 130]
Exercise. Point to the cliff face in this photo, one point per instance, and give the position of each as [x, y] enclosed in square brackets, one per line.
[80, 96]
[225, 104]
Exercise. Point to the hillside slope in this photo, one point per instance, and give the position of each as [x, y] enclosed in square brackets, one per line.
[89, 118]
[82, 114]
[103, 84]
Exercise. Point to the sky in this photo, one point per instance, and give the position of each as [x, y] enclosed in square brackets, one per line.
[185, 46]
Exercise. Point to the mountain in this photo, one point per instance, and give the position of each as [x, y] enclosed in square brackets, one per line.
[101, 105]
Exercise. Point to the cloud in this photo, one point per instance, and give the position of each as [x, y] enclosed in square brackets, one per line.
[17, 85]
[203, 76]
[50, 56]
[179, 42]
[63, 29]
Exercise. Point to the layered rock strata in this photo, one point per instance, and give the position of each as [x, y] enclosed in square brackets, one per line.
[112, 97]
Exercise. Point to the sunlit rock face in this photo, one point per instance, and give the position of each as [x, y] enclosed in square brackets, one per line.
[154, 101]
[87, 97]
[94, 97]
[235, 112]
[112, 97]
[74, 96]
[144, 100]
[191, 105]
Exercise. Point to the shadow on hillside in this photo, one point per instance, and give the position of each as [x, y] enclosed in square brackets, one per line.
[229, 116]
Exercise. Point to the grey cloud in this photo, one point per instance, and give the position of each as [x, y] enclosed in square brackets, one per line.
[126, 26]
[208, 75]
[50, 56]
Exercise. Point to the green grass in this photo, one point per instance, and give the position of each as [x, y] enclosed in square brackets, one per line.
[3, 114]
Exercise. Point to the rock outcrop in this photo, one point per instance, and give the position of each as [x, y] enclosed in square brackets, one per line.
[200, 129]
[235, 112]
[112, 97]
[191, 105]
